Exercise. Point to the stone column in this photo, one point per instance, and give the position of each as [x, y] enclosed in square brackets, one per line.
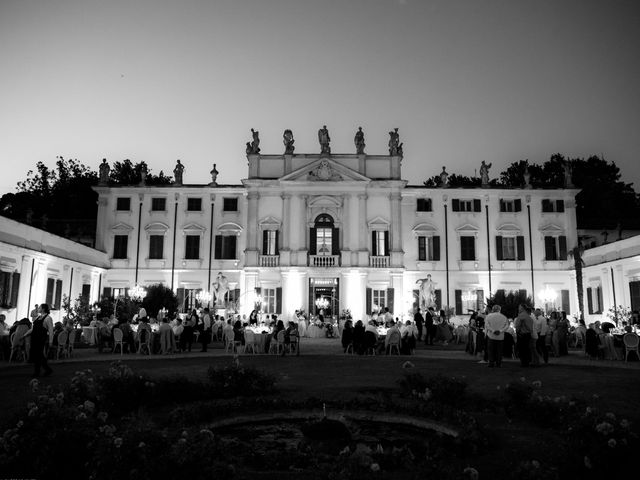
[363, 250]
[396, 235]
[285, 235]
[252, 229]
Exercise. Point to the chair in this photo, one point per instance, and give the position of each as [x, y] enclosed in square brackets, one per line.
[394, 342]
[227, 338]
[117, 340]
[63, 337]
[144, 341]
[279, 343]
[630, 341]
[18, 348]
[167, 341]
[294, 343]
[249, 341]
[369, 343]
[72, 340]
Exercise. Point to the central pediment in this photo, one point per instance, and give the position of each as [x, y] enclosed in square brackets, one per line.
[324, 169]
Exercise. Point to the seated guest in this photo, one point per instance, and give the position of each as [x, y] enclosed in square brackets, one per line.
[592, 342]
[57, 328]
[177, 326]
[167, 338]
[408, 336]
[371, 327]
[253, 317]
[238, 332]
[347, 335]
[392, 332]
[127, 333]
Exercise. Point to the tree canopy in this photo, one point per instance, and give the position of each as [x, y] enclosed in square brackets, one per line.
[61, 200]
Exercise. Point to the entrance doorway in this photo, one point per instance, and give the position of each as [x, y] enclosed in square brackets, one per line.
[324, 297]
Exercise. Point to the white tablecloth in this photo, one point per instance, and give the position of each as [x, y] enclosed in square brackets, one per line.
[90, 335]
[315, 332]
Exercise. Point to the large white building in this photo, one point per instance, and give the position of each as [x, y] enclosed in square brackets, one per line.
[341, 231]
[310, 231]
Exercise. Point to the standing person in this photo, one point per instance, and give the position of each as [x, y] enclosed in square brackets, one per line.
[186, 339]
[388, 317]
[206, 329]
[524, 327]
[35, 312]
[419, 321]
[535, 359]
[39, 340]
[563, 334]
[542, 328]
[495, 325]
[429, 327]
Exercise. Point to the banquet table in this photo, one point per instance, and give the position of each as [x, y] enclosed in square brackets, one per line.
[313, 331]
[90, 335]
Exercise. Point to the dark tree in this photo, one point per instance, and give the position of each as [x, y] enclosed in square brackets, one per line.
[159, 296]
[509, 302]
[128, 173]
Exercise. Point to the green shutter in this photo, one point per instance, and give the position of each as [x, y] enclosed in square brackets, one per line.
[265, 242]
[313, 242]
[57, 300]
[600, 300]
[15, 285]
[458, 296]
[390, 300]
[368, 300]
[517, 205]
[439, 299]
[455, 205]
[559, 205]
[549, 248]
[335, 241]
[51, 283]
[499, 247]
[422, 248]
[218, 247]
[477, 206]
[563, 247]
[520, 247]
[279, 300]
[374, 245]
[436, 248]
[181, 299]
[277, 242]
[106, 292]
[589, 300]
[386, 243]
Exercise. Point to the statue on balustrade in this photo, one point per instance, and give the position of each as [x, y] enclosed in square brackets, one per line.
[214, 176]
[253, 147]
[484, 173]
[395, 147]
[220, 289]
[104, 172]
[359, 141]
[444, 178]
[324, 139]
[177, 173]
[287, 139]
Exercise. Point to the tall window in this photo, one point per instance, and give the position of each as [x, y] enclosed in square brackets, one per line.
[194, 204]
[192, 247]
[467, 248]
[510, 248]
[380, 243]
[9, 283]
[634, 288]
[225, 248]
[429, 248]
[158, 204]
[123, 204]
[54, 293]
[458, 205]
[423, 205]
[191, 299]
[269, 300]
[379, 299]
[230, 204]
[120, 243]
[511, 205]
[156, 247]
[270, 242]
[555, 248]
[594, 299]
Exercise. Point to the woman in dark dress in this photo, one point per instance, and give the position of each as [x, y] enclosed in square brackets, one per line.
[592, 343]
[39, 338]
[358, 337]
[347, 335]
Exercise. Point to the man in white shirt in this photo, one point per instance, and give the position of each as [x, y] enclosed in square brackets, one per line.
[392, 331]
[495, 324]
[206, 329]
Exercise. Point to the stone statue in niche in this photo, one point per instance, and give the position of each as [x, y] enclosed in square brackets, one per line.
[214, 176]
[324, 139]
[177, 173]
[104, 172]
[484, 173]
[359, 141]
[220, 288]
[444, 178]
[253, 147]
[395, 147]
[287, 139]
[324, 172]
[427, 292]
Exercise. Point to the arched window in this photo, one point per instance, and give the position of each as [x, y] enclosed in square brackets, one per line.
[324, 237]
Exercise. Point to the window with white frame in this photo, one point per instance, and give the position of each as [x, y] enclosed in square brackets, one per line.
[269, 300]
[429, 248]
[514, 205]
[270, 242]
[555, 247]
[594, 299]
[380, 243]
[379, 299]
[323, 240]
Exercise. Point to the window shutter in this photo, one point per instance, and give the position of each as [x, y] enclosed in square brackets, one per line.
[502, 206]
[546, 205]
[335, 241]
[181, 299]
[86, 291]
[15, 285]
[374, 245]
[455, 205]
[563, 247]
[559, 205]
[480, 300]
[634, 291]
[520, 247]
[279, 300]
[499, 248]
[517, 205]
[566, 306]
[106, 292]
[50, 286]
[265, 242]
[438, 299]
[386, 243]
[458, 295]
[233, 251]
[313, 242]
[590, 300]
[217, 252]
[58, 294]
[416, 299]
[368, 300]
[258, 306]
[390, 300]
[600, 302]
[436, 248]
[277, 242]
[477, 206]
[549, 248]
[422, 248]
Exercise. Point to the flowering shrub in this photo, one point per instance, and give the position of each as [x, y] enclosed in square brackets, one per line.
[448, 390]
[236, 380]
